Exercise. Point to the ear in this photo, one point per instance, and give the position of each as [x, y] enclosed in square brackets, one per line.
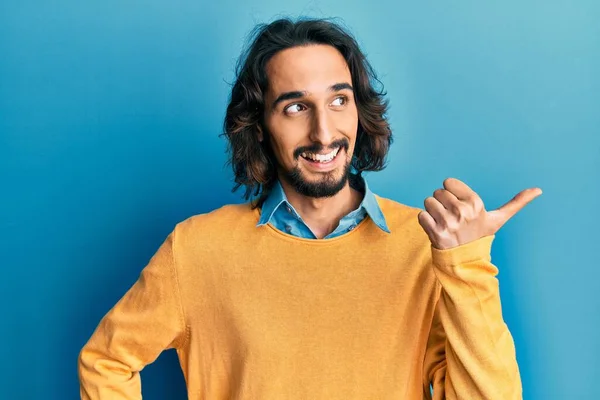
[259, 134]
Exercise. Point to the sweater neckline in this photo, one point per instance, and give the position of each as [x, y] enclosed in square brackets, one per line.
[311, 242]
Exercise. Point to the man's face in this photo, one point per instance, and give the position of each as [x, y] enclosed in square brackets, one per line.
[311, 118]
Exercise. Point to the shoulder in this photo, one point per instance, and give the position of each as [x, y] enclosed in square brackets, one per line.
[403, 219]
[410, 237]
[228, 218]
[395, 210]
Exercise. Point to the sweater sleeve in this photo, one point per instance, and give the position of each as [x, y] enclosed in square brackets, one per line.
[470, 352]
[146, 320]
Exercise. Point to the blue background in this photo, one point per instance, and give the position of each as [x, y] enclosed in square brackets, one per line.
[109, 119]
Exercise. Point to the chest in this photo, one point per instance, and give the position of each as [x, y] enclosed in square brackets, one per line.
[283, 303]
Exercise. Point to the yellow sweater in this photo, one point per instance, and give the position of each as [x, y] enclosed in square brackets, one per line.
[257, 314]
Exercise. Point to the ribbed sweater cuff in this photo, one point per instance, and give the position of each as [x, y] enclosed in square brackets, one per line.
[479, 249]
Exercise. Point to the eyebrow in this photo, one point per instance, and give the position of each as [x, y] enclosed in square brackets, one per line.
[299, 94]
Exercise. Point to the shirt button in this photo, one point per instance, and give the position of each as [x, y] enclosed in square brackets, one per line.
[288, 208]
[288, 228]
[351, 227]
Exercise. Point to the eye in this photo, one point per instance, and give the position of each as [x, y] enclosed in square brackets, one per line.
[339, 101]
[294, 108]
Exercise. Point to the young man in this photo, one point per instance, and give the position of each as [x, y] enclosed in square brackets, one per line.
[317, 288]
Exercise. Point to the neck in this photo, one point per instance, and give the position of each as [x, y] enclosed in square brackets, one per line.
[322, 215]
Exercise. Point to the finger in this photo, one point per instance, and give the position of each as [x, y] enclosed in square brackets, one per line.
[514, 205]
[437, 211]
[448, 200]
[460, 189]
[427, 222]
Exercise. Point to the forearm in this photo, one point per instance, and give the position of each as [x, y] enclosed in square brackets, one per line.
[479, 349]
[108, 369]
[147, 320]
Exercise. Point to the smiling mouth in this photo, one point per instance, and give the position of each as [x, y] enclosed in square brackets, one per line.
[321, 158]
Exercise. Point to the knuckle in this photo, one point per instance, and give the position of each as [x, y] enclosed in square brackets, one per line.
[444, 223]
[441, 236]
[462, 213]
[453, 226]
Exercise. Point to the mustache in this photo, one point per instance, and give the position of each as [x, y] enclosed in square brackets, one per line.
[317, 147]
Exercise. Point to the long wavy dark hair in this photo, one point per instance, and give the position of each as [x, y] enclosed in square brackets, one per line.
[253, 162]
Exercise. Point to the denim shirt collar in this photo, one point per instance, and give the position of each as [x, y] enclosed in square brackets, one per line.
[277, 198]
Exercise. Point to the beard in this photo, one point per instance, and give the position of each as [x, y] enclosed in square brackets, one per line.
[328, 185]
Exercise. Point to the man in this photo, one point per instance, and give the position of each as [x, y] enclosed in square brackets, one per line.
[317, 288]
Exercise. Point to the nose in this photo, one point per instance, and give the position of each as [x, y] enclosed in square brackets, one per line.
[322, 129]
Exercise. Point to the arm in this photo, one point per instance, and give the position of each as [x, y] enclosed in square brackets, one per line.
[470, 353]
[478, 350]
[147, 320]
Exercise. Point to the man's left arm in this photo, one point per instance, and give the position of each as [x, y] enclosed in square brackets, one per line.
[478, 354]
[475, 350]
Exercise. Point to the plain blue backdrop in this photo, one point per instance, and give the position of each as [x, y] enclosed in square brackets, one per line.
[110, 113]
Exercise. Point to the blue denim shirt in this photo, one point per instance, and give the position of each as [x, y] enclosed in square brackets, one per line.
[277, 211]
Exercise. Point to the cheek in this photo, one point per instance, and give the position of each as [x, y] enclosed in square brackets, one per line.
[286, 137]
[348, 127]
[286, 151]
[347, 121]
[283, 147]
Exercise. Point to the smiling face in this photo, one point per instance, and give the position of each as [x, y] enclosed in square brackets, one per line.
[311, 118]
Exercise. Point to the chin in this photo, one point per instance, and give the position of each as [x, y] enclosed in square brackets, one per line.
[325, 184]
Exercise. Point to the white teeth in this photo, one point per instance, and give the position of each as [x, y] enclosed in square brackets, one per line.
[321, 157]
